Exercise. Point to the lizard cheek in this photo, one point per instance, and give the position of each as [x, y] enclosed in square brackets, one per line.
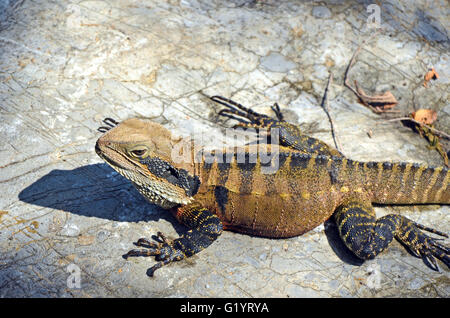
[161, 169]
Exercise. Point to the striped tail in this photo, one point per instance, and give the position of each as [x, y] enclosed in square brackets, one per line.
[409, 183]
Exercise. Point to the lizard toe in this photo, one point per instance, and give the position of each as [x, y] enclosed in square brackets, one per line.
[164, 251]
[142, 252]
[424, 246]
[150, 248]
[167, 254]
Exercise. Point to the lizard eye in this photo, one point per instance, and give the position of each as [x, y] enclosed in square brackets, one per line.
[138, 152]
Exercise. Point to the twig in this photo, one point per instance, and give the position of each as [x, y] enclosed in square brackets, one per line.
[347, 84]
[438, 132]
[352, 61]
[326, 107]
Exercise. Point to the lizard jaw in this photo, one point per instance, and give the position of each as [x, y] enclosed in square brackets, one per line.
[154, 190]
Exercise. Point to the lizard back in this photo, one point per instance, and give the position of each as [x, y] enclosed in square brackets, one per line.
[305, 189]
[290, 200]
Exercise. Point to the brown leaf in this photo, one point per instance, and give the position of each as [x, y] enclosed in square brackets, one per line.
[430, 75]
[381, 102]
[425, 116]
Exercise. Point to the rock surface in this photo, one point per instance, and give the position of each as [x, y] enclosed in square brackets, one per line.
[66, 217]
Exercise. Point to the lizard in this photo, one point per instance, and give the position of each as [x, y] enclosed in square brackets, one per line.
[314, 182]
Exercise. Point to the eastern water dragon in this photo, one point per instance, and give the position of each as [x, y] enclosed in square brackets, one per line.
[313, 182]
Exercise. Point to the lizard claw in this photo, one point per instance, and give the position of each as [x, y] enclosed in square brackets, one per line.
[276, 109]
[159, 237]
[241, 113]
[163, 251]
[424, 246]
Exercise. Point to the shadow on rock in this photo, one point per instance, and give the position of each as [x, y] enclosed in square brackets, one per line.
[338, 246]
[93, 191]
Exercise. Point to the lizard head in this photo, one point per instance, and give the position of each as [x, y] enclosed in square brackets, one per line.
[140, 150]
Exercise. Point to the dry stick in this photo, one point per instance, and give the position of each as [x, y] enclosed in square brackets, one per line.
[326, 107]
[438, 132]
[352, 61]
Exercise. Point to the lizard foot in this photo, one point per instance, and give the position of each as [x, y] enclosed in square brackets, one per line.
[289, 135]
[422, 245]
[246, 117]
[164, 251]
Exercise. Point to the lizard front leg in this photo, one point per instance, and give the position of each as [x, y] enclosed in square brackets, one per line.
[367, 236]
[204, 228]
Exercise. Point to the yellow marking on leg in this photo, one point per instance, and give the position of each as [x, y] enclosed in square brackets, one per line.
[344, 189]
[285, 196]
[306, 195]
[333, 189]
[358, 190]
[347, 234]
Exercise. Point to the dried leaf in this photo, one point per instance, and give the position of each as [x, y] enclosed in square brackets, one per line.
[430, 75]
[425, 116]
[381, 102]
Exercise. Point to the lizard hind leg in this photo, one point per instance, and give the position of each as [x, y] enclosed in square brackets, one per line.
[232, 105]
[249, 118]
[367, 236]
[289, 135]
